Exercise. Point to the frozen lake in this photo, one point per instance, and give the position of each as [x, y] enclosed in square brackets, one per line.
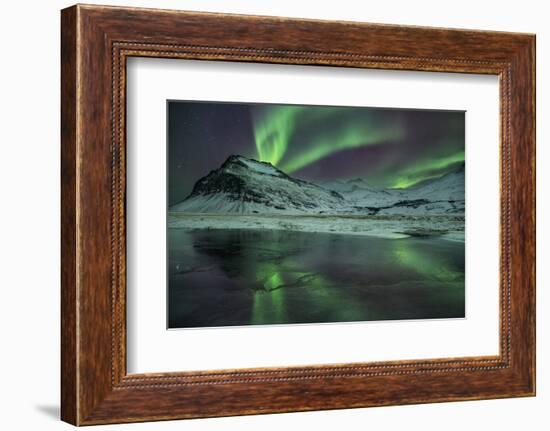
[227, 277]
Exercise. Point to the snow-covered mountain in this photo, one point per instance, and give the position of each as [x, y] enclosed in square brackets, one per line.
[448, 187]
[440, 195]
[359, 192]
[246, 186]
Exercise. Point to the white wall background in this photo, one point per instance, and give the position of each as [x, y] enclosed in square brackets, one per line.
[29, 215]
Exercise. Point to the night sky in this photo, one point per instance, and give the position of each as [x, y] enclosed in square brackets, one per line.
[387, 147]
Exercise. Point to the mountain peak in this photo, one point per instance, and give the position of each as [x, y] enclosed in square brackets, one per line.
[236, 158]
[240, 162]
[243, 185]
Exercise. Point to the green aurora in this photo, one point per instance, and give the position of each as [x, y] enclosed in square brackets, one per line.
[277, 128]
[428, 169]
[388, 148]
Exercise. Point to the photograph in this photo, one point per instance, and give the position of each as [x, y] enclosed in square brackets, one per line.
[281, 214]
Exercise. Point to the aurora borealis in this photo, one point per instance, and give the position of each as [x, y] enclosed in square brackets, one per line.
[392, 148]
[275, 127]
[252, 246]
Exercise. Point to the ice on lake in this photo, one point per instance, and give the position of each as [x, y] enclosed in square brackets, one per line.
[227, 277]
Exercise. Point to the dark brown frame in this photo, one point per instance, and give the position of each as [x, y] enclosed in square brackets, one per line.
[95, 43]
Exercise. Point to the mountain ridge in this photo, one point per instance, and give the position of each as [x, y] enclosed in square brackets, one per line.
[243, 185]
[246, 186]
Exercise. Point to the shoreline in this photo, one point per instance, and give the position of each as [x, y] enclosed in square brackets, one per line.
[449, 227]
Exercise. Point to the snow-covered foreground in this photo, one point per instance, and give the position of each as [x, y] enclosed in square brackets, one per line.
[449, 227]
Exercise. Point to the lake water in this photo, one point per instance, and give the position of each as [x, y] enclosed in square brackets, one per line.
[253, 277]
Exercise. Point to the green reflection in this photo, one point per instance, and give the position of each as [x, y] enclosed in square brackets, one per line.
[424, 262]
[319, 295]
[268, 304]
[436, 272]
[264, 277]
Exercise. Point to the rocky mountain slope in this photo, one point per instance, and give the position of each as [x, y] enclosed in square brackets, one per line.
[246, 186]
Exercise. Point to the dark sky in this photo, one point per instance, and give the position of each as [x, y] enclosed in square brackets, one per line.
[387, 147]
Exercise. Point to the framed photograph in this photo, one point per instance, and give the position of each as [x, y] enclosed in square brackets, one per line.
[266, 215]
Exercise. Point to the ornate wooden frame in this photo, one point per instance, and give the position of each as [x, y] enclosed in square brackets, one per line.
[95, 43]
